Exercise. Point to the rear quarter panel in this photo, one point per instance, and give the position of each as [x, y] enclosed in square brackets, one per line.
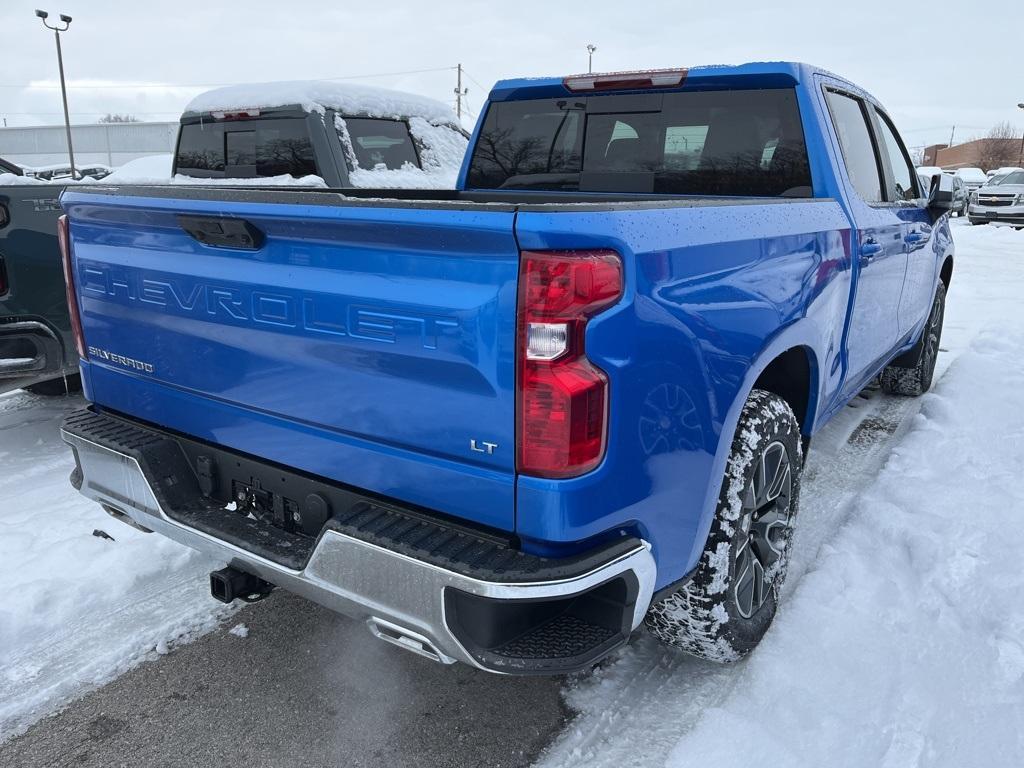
[712, 295]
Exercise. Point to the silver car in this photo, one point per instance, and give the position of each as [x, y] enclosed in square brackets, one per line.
[1002, 202]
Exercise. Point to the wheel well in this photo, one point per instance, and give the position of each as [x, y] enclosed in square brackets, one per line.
[946, 274]
[789, 377]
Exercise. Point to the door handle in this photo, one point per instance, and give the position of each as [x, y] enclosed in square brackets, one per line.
[870, 249]
[915, 237]
[223, 231]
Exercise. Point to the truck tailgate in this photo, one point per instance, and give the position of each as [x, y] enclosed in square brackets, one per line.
[369, 343]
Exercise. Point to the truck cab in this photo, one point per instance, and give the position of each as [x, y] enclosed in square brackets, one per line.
[347, 135]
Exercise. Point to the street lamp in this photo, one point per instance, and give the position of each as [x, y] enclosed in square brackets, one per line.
[590, 57]
[1020, 160]
[66, 20]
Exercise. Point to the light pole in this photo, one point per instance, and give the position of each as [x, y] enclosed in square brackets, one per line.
[66, 20]
[590, 57]
[1020, 160]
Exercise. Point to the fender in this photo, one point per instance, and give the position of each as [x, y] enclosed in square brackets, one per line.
[796, 334]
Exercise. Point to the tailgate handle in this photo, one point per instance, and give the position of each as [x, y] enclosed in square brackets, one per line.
[223, 232]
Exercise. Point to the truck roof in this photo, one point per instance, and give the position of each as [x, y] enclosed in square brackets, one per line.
[318, 95]
[753, 74]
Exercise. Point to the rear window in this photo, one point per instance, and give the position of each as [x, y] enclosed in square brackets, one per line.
[380, 143]
[246, 148]
[702, 143]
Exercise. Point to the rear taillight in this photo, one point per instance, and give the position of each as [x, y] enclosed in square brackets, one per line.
[64, 241]
[563, 397]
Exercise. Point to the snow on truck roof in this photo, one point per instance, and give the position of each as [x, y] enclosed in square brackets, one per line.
[319, 95]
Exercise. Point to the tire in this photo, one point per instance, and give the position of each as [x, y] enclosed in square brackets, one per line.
[915, 380]
[57, 387]
[722, 613]
[971, 221]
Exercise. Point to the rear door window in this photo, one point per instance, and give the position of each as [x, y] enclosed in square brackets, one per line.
[740, 142]
[850, 120]
[246, 148]
[380, 144]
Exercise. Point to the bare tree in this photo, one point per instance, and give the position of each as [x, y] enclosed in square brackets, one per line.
[999, 148]
[112, 117]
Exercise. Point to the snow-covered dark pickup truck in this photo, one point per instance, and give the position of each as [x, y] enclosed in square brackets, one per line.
[504, 424]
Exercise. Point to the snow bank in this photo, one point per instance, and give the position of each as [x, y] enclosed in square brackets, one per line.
[911, 628]
[155, 169]
[900, 639]
[318, 95]
[78, 609]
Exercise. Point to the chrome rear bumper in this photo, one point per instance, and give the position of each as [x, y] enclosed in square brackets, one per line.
[405, 601]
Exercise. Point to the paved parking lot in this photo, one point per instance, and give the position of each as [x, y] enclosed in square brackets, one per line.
[304, 688]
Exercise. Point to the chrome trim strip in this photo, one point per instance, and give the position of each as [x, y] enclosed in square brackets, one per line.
[345, 574]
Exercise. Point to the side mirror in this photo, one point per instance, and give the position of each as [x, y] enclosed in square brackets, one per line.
[940, 197]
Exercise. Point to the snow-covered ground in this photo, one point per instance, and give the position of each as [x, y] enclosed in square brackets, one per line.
[900, 641]
[77, 609]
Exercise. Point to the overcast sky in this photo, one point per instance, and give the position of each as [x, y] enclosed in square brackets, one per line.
[933, 65]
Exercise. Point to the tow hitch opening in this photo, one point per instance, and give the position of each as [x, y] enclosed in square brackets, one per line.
[229, 583]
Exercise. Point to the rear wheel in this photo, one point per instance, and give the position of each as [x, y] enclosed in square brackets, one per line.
[914, 380]
[722, 613]
[57, 387]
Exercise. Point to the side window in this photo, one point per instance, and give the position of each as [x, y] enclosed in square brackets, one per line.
[851, 124]
[382, 144]
[902, 171]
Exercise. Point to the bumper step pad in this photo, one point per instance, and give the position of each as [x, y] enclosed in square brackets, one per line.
[164, 458]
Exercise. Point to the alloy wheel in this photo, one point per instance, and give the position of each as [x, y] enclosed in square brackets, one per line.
[765, 524]
[933, 331]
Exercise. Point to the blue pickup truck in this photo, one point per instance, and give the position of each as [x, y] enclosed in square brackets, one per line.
[506, 424]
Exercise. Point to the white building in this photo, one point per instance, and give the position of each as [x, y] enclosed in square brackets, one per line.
[110, 144]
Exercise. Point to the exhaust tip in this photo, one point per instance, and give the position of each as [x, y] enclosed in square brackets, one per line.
[407, 640]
